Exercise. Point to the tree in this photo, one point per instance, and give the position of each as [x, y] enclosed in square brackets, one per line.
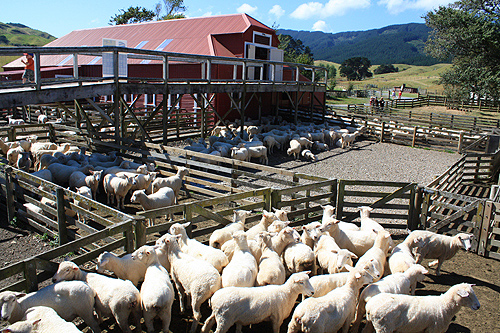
[295, 51]
[173, 9]
[356, 68]
[468, 33]
[132, 15]
[382, 69]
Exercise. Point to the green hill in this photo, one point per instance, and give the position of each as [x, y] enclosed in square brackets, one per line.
[395, 44]
[16, 34]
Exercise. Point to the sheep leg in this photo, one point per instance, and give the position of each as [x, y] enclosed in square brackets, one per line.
[196, 305]
[166, 315]
[209, 323]
[122, 320]
[368, 327]
[276, 322]
[91, 321]
[360, 312]
[347, 323]
[148, 320]
[180, 292]
[293, 326]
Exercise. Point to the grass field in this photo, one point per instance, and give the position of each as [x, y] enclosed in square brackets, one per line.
[422, 77]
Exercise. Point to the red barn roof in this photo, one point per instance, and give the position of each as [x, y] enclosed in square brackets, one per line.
[189, 35]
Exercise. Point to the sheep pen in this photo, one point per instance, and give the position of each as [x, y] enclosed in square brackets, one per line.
[365, 160]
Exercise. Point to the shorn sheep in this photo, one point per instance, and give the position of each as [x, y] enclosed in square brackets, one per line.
[242, 269]
[220, 236]
[404, 313]
[49, 321]
[69, 299]
[157, 293]
[333, 311]
[194, 277]
[113, 296]
[440, 247]
[124, 268]
[246, 306]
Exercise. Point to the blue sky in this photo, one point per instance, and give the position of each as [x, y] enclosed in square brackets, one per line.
[61, 17]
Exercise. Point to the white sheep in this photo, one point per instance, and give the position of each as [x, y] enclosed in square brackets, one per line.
[320, 146]
[240, 154]
[246, 306]
[48, 321]
[5, 146]
[220, 236]
[277, 226]
[271, 269]
[114, 297]
[264, 223]
[174, 182]
[333, 311]
[298, 257]
[348, 139]
[79, 179]
[84, 191]
[328, 211]
[42, 119]
[157, 293]
[286, 236]
[377, 252]
[325, 283]
[116, 187]
[402, 256]
[143, 181]
[14, 121]
[398, 283]
[164, 197]
[404, 313]
[197, 249]
[270, 142]
[125, 267]
[13, 155]
[259, 152]
[134, 166]
[295, 148]
[281, 214]
[310, 234]
[193, 277]
[25, 326]
[356, 241]
[366, 222]
[308, 155]
[440, 247]
[330, 256]
[69, 299]
[242, 269]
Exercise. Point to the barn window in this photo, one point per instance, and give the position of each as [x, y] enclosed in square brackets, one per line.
[261, 38]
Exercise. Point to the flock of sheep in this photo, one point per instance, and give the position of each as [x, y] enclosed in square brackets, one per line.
[70, 167]
[258, 141]
[257, 275]
[342, 274]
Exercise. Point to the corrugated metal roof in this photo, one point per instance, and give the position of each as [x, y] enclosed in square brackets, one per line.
[189, 35]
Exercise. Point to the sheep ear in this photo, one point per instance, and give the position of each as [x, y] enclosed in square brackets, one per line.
[353, 256]
[348, 267]
[19, 295]
[36, 321]
[357, 275]
[424, 271]
[307, 272]
[178, 236]
[274, 209]
[185, 225]
[463, 293]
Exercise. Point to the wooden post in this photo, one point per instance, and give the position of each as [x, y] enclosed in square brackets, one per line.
[11, 203]
[139, 226]
[340, 200]
[333, 192]
[415, 129]
[411, 209]
[484, 228]
[417, 209]
[52, 134]
[267, 199]
[460, 142]
[61, 216]
[425, 210]
[382, 126]
[275, 198]
[30, 275]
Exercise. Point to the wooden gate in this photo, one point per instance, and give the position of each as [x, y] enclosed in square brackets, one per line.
[451, 213]
[394, 201]
[489, 231]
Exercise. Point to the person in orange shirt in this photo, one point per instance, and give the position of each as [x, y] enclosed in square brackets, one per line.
[29, 68]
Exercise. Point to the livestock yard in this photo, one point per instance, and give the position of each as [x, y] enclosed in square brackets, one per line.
[408, 187]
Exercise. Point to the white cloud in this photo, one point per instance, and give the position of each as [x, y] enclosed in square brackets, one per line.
[398, 6]
[331, 8]
[207, 14]
[246, 8]
[321, 26]
[277, 11]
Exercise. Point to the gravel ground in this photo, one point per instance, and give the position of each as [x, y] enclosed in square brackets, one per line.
[369, 160]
